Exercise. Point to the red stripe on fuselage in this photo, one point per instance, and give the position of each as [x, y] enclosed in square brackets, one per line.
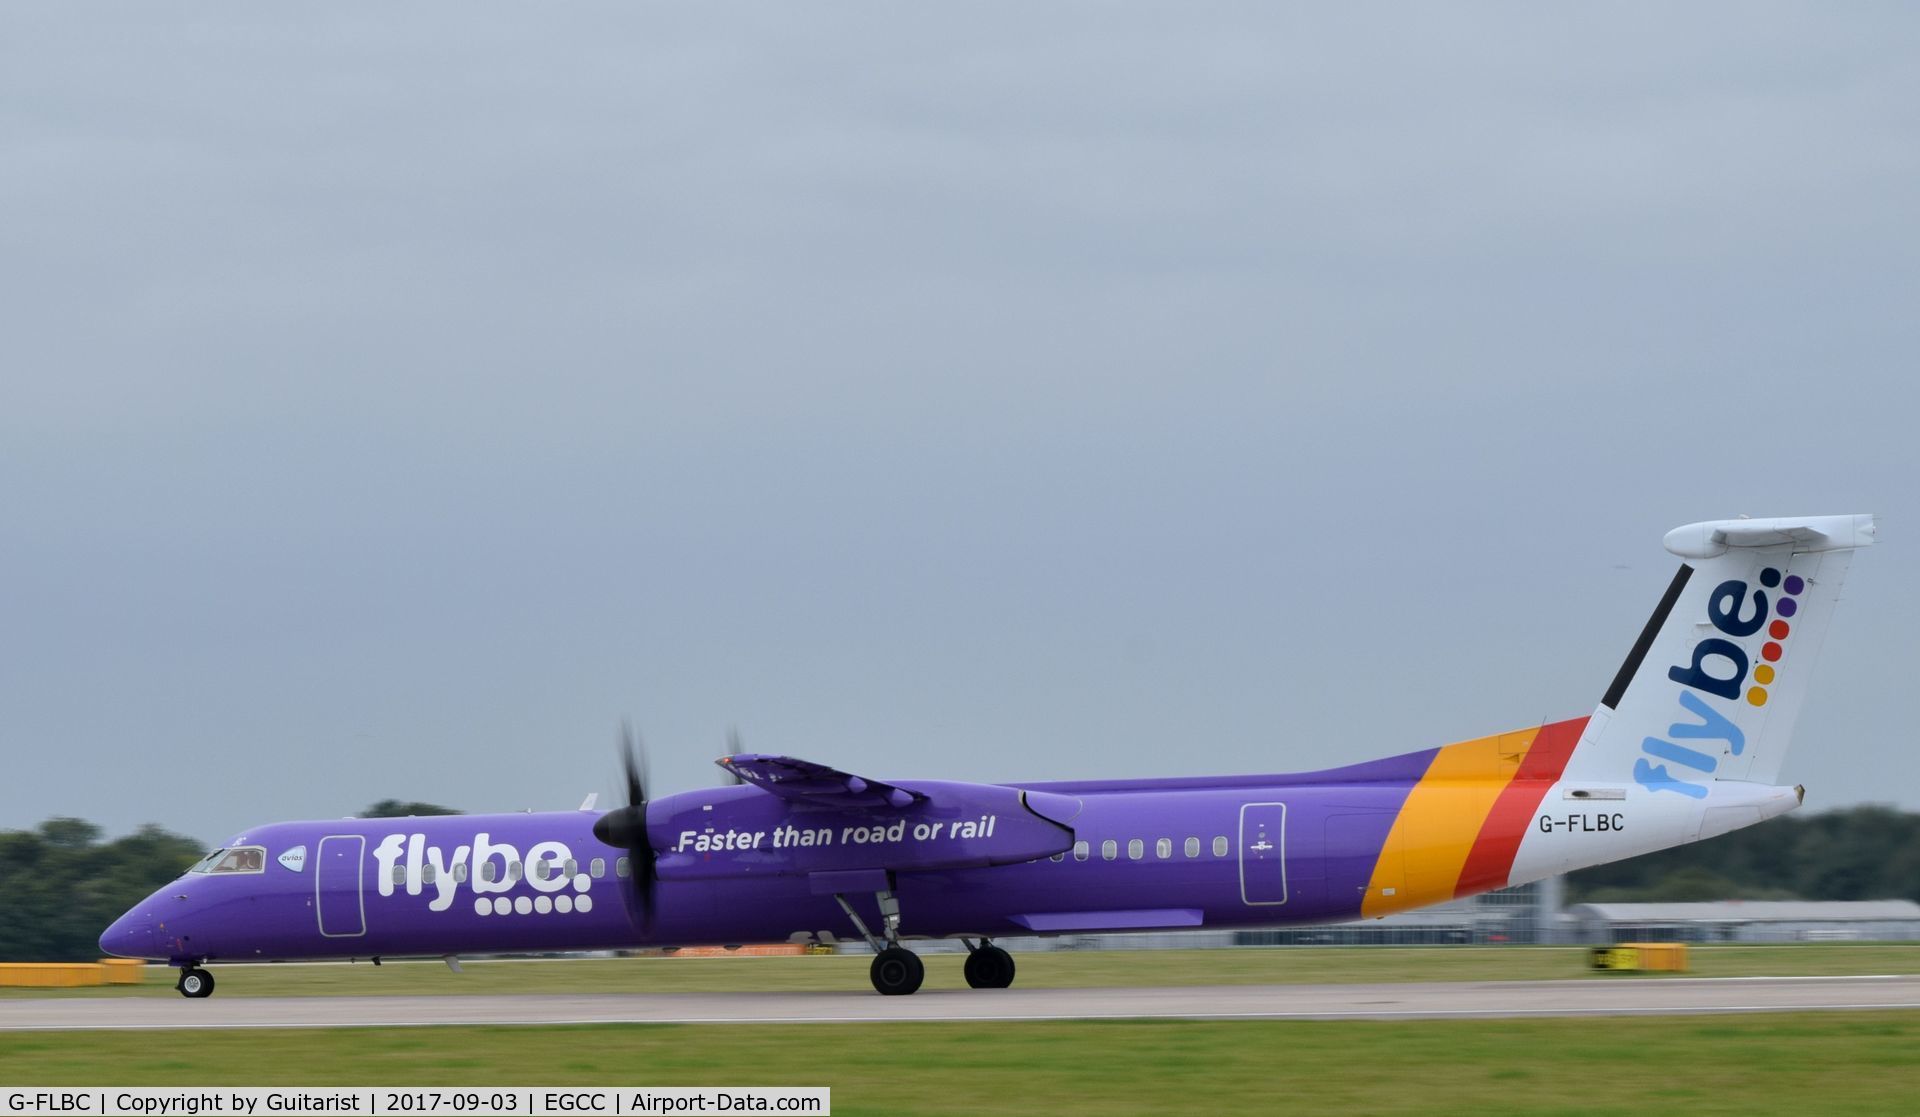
[1491, 859]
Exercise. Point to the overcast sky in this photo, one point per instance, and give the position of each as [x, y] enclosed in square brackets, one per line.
[392, 400]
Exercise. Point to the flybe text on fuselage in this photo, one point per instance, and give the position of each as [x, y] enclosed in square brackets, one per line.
[1716, 673]
[492, 870]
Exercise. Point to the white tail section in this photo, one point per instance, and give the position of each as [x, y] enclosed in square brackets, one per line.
[1713, 686]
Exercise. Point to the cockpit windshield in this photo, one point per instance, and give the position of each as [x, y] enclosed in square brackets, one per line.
[240, 859]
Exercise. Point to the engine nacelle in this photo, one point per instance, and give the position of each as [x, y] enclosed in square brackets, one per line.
[956, 826]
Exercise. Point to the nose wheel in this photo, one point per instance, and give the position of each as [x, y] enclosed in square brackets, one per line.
[195, 982]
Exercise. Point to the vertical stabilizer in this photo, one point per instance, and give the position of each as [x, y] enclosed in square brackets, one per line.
[1713, 686]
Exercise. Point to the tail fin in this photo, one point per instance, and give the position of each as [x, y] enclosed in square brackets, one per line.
[1713, 686]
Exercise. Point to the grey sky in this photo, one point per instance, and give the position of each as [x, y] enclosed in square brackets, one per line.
[391, 402]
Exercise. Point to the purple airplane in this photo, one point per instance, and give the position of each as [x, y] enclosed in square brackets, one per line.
[1686, 744]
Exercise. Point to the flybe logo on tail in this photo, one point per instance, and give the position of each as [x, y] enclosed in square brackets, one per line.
[1720, 668]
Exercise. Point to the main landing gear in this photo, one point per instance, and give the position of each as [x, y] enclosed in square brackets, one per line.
[988, 966]
[194, 982]
[897, 971]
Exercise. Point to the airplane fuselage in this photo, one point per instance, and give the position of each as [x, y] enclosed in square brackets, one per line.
[736, 865]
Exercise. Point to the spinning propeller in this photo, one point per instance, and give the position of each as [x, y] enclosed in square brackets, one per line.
[626, 827]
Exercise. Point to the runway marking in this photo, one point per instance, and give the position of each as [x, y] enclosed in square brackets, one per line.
[1120, 1016]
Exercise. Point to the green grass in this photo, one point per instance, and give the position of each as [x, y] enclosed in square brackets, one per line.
[1855, 1063]
[1039, 970]
[1784, 1063]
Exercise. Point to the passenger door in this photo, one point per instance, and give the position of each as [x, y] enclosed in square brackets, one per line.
[1263, 853]
[337, 878]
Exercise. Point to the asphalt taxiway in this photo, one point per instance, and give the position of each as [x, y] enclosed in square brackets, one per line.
[1403, 1001]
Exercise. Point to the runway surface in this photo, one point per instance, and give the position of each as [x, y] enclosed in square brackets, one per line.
[1406, 1001]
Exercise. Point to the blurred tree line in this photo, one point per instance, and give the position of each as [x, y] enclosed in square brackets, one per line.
[61, 885]
[394, 808]
[1860, 853]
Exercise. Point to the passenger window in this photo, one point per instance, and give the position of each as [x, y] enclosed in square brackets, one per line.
[427, 874]
[621, 867]
[1193, 847]
[1135, 849]
[1163, 848]
[1057, 858]
[1109, 850]
[513, 870]
[1080, 851]
[599, 867]
[486, 870]
[1220, 846]
[460, 872]
[573, 867]
[399, 874]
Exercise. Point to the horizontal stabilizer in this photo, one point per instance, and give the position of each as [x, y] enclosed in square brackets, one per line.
[792, 778]
[1808, 534]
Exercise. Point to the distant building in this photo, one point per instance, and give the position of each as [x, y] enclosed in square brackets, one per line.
[1748, 921]
[1523, 914]
[1527, 913]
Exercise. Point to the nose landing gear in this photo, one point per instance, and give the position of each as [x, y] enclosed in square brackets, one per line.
[194, 982]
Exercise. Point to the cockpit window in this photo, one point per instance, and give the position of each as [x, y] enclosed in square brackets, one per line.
[240, 859]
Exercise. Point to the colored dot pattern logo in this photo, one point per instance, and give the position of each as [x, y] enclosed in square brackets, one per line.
[541, 905]
[1791, 586]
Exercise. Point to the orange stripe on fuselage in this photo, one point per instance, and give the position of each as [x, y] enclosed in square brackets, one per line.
[1434, 834]
[1490, 863]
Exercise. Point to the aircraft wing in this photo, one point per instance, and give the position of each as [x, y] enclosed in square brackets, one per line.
[803, 780]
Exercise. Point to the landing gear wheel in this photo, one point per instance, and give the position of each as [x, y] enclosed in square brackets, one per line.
[195, 982]
[897, 971]
[989, 968]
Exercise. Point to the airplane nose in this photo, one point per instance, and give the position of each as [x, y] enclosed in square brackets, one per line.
[131, 936]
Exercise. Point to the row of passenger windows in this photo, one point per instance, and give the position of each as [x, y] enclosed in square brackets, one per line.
[597, 869]
[1137, 849]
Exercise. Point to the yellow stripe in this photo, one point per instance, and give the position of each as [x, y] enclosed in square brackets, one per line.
[1421, 861]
